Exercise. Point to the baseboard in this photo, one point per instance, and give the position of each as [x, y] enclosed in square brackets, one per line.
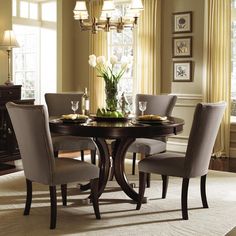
[176, 146]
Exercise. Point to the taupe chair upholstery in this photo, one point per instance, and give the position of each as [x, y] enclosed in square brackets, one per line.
[156, 104]
[194, 162]
[31, 127]
[59, 104]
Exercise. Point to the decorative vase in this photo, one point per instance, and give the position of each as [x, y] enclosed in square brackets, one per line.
[111, 90]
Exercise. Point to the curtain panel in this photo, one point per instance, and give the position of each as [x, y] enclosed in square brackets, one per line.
[217, 61]
[148, 49]
[97, 46]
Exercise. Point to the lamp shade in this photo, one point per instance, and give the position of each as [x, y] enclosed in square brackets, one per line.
[9, 40]
[136, 5]
[80, 11]
[107, 8]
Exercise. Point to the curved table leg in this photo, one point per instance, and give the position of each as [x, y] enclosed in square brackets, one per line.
[104, 164]
[120, 149]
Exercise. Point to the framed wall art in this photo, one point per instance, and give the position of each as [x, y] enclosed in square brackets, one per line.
[182, 71]
[182, 22]
[182, 46]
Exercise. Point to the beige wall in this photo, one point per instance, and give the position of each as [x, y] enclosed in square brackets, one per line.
[189, 93]
[81, 58]
[66, 46]
[73, 50]
[5, 24]
[169, 7]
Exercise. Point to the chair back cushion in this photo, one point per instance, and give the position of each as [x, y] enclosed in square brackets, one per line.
[60, 103]
[205, 126]
[30, 123]
[156, 104]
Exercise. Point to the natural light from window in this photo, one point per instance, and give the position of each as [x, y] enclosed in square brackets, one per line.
[122, 45]
[34, 62]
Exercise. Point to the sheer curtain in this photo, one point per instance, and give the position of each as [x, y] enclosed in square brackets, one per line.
[97, 46]
[148, 48]
[217, 62]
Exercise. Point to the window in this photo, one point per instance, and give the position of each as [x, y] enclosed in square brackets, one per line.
[233, 59]
[122, 45]
[34, 62]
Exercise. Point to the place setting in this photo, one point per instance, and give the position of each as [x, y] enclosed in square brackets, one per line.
[74, 117]
[149, 119]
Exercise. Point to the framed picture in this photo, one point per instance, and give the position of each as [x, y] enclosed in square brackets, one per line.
[182, 22]
[182, 71]
[182, 46]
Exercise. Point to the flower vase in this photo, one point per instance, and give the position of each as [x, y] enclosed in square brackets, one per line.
[111, 90]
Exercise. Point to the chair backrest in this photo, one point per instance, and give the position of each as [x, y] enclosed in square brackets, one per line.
[60, 103]
[156, 104]
[30, 123]
[205, 126]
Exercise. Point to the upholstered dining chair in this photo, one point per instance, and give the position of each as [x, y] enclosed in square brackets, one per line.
[59, 104]
[31, 127]
[156, 104]
[194, 162]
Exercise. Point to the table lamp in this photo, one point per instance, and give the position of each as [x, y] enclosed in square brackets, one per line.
[8, 42]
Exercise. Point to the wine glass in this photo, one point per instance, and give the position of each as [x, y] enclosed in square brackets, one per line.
[142, 106]
[74, 106]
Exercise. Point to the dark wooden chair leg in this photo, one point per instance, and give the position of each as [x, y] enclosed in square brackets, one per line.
[56, 153]
[184, 198]
[94, 197]
[53, 199]
[165, 181]
[203, 191]
[142, 184]
[93, 156]
[148, 180]
[64, 194]
[134, 163]
[28, 197]
[82, 155]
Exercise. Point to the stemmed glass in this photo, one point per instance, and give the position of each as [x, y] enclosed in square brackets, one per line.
[142, 106]
[74, 106]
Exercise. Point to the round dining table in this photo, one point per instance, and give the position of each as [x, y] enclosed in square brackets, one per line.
[124, 132]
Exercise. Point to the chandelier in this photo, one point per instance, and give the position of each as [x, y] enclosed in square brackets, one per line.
[107, 21]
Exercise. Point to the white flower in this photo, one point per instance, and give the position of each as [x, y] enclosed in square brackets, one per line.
[113, 60]
[92, 60]
[101, 60]
[107, 69]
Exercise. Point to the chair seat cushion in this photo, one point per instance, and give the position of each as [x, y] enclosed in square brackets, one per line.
[171, 164]
[70, 170]
[147, 146]
[73, 143]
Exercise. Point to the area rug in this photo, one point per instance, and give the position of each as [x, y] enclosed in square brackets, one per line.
[119, 217]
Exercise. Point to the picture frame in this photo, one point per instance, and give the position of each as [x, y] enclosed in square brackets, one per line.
[182, 71]
[182, 46]
[182, 22]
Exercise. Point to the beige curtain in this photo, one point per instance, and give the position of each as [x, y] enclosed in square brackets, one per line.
[148, 48]
[218, 62]
[97, 46]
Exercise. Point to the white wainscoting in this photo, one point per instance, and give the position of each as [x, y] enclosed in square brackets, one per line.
[184, 108]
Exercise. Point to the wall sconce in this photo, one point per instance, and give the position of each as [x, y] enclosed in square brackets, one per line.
[8, 42]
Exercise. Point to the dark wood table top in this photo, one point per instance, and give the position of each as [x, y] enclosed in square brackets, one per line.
[124, 134]
[116, 129]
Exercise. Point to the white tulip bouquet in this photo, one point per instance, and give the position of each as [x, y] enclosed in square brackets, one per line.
[106, 69]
